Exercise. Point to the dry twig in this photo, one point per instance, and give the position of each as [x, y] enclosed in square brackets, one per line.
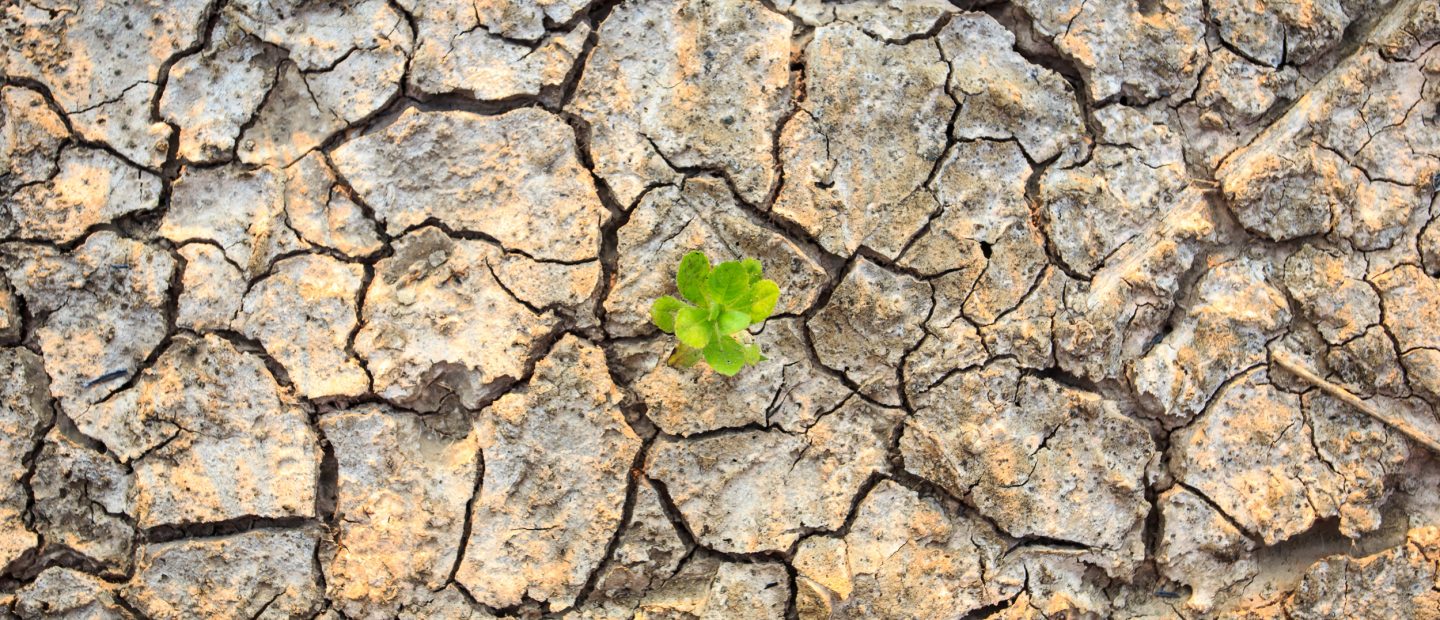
[1297, 368]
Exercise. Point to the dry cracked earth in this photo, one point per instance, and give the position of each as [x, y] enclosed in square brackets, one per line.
[339, 309]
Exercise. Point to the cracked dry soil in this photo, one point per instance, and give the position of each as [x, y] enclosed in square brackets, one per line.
[338, 309]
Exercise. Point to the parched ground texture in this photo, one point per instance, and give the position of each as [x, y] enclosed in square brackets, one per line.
[339, 309]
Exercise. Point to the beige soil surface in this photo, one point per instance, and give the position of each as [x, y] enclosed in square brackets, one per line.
[338, 309]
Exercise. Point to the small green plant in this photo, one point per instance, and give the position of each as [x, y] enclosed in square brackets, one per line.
[727, 299]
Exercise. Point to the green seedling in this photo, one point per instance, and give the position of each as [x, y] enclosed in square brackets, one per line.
[727, 299]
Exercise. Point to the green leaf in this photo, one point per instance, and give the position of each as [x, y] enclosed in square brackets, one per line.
[685, 356]
[728, 298]
[725, 356]
[693, 327]
[732, 321]
[762, 300]
[662, 312]
[753, 268]
[694, 271]
[753, 355]
[729, 284]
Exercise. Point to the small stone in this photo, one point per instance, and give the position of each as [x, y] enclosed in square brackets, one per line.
[870, 131]
[209, 438]
[388, 555]
[558, 456]
[753, 490]
[904, 556]
[700, 215]
[662, 81]
[24, 415]
[303, 313]
[432, 333]
[514, 177]
[263, 573]
[241, 210]
[873, 318]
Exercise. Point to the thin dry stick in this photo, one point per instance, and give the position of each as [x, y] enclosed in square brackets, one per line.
[1292, 364]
